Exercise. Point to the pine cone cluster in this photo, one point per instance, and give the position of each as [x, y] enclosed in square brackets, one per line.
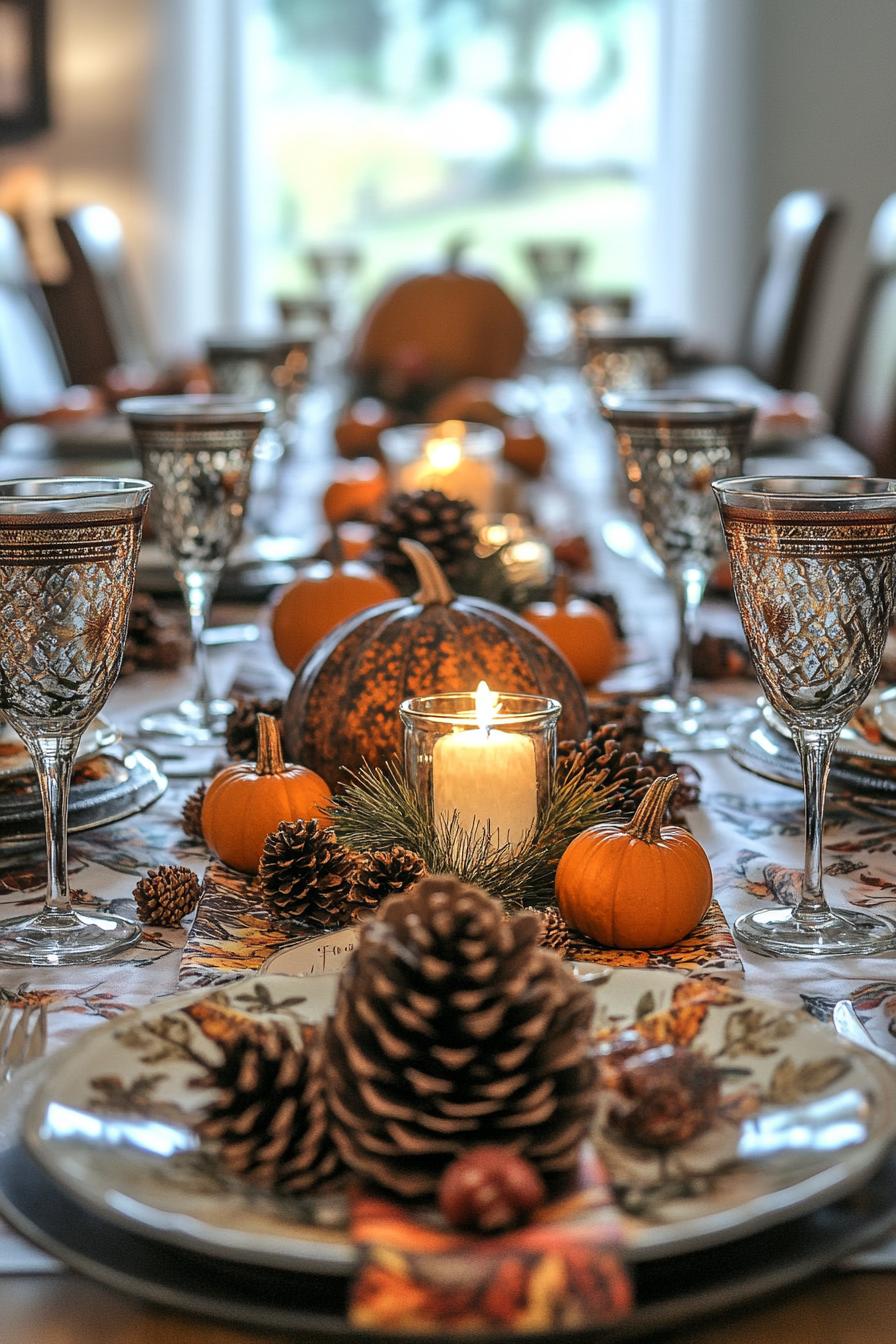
[166, 895]
[306, 874]
[603, 762]
[241, 732]
[443, 526]
[191, 812]
[454, 1028]
[626, 715]
[269, 1116]
[154, 643]
[379, 873]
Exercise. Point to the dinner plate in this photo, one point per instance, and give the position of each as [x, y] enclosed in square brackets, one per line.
[851, 742]
[804, 1119]
[757, 748]
[15, 760]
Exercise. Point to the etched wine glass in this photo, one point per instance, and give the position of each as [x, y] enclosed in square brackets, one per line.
[68, 554]
[197, 452]
[813, 561]
[672, 446]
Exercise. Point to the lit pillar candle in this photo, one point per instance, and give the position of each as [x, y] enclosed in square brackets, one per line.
[444, 466]
[487, 776]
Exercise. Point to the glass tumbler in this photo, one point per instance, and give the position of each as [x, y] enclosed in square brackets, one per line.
[197, 452]
[813, 560]
[68, 555]
[672, 447]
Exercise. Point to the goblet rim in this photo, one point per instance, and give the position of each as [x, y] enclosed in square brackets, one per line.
[681, 408]
[199, 407]
[755, 491]
[101, 487]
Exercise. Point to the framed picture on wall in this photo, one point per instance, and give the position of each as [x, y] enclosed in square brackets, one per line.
[24, 102]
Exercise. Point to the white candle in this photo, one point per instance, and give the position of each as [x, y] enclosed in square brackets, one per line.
[487, 776]
[444, 466]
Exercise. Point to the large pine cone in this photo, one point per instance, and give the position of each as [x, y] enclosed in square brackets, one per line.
[269, 1116]
[443, 526]
[305, 874]
[453, 1028]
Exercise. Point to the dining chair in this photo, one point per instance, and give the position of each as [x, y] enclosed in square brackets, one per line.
[95, 308]
[865, 403]
[773, 336]
[33, 375]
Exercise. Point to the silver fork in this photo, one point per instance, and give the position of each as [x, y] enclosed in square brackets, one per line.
[23, 1037]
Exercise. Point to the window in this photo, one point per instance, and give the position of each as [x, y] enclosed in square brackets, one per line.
[403, 125]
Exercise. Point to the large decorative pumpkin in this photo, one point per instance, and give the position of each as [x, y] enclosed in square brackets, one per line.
[245, 802]
[636, 886]
[343, 707]
[448, 325]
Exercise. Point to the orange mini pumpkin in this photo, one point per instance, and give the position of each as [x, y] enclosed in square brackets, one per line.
[356, 490]
[357, 431]
[524, 448]
[324, 595]
[581, 630]
[245, 802]
[636, 886]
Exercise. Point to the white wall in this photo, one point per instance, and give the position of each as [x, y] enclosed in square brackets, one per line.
[826, 90]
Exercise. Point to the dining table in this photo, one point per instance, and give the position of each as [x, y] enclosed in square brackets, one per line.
[751, 828]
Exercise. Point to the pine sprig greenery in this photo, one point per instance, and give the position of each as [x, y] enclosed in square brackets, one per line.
[378, 808]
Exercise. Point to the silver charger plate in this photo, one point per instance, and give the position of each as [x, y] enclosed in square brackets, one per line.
[128, 781]
[805, 1118]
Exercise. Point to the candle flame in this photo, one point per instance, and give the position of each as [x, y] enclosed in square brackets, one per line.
[444, 449]
[487, 703]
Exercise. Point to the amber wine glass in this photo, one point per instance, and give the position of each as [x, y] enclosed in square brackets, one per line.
[813, 560]
[68, 554]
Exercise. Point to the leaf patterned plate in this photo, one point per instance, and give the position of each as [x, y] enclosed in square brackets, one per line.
[804, 1119]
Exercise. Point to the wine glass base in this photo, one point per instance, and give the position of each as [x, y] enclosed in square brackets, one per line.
[189, 722]
[51, 939]
[843, 933]
[692, 724]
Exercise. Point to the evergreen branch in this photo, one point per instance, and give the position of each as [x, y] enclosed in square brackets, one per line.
[378, 808]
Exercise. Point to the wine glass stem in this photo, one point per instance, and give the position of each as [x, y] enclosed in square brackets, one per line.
[689, 584]
[815, 749]
[53, 760]
[199, 591]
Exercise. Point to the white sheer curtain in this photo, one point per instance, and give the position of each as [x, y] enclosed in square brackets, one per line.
[202, 266]
[704, 196]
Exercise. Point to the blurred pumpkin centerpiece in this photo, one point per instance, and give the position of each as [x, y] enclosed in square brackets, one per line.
[343, 706]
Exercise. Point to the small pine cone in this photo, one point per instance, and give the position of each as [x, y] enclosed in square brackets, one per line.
[667, 1096]
[154, 642]
[626, 716]
[269, 1116]
[166, 894]
[442, 525]
[241, 733]
[452, 1028]
[490, 1189]
[191, 812]
[306, 874]
[384, 872]
[555, 932]
[659, 763]
[601, 760]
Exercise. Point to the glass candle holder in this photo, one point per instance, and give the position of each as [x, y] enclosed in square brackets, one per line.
[485, 758]
[456, 457]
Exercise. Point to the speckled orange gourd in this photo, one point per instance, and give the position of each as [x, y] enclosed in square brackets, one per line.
[343, 707]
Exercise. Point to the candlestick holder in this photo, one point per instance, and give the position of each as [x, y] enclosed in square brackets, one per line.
[482, 764]
[458, 458]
